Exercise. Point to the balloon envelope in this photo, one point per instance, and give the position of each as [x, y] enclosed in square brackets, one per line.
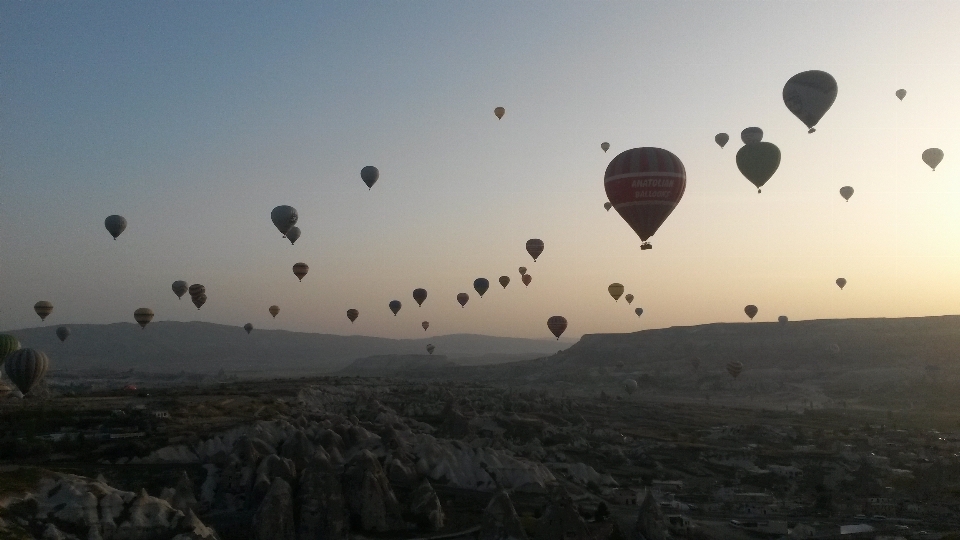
[645, 185]
[26, 367]
[607, 206]
[430, 348]
[394, 306]
[419, 295]
[179, 288]
[115, 225]
[846, 192]
[352, 314]
[901, 93]
[284, 218]
[615, 290]
[8, 344]
[557, 325]
[782, 319]
[630, 386]
[499, 111]
[481, 285]
[196, 290]
[526, 279]
[932, 157]
[274, 310]
[523, 270]
[734, 369]
[63, 333]
[425, 325]
[534, 248]
[300, 269]
[809, 95]
[605, 146]
[43, 309]
[369, 175]
[751, 135]
[248, 327]
[143, 316]
[638, 311]
[293, 235]
[758, 161]
[199, 301]
[751, 311]
[628, 298]
[463, 298]
[841, 283]
[721, 139]
[504, 281]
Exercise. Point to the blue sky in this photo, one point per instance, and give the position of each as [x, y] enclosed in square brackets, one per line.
[194, 119]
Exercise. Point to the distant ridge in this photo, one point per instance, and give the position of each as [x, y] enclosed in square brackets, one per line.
[394, 365]
[170, 346]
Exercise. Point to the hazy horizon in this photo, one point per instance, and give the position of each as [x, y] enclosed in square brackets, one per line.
[194, 120]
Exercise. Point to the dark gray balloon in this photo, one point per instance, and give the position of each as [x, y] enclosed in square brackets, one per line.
[284, 217]
[369, 175]
[63, 333]
[180, 288]
[26, 367]
[293, 234]
[248, 327]
[115, 225]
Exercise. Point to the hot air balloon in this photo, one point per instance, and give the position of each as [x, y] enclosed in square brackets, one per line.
[534, 248]
[605, 146]
[638, 311]
[782, 319]
[196, 290]
[143, 316]
[394, 306]
[26, 367]
[751, 135]
[615, 290]
[274, 310]
[751, 311]
[352, 314]
[523, 270]
[607, 206]
[526, 279]
[369, 175]
[179, 288]
[504, 281]
[846, 192]
[293, 235]
[758, 161]
[841, 282]
[63, 333]
[115, 225]
[721, 139]
[430, 348]
[932, 157]
[419, 295]
[901, 93]
[499, 111]
[809, 96]
[300, 269]
[248, 327]
[628, 298]
[425, 325]
[462, 298]
[630, 386]
[284, 218]
[557, 325]
[645, 185]
[8, 344]
[199, 301]
[734, 369]
[481, 285]
[43, 309]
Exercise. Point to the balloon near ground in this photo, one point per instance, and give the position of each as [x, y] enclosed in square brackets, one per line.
[26, 367]
[425, 325]
[115, 225]
[300, 270]
[481, 285]
[526, 279]
[462, 298]
[846, 192]
[499, 111]
[534, 248]
[809, 95]
[274, 310]
[43, 309]
[394, 306]
[419, 295]
[630, 386]
[430, 348]
[8, 344]
[841, 283]
[63, 333]
[352, 314]
[293, 235]
[615, 290]
[645, 185]
[504, 281]
[734, 369]
[751, 135]
[932, 157]
[604, 146]
[758, 161]
[179, 288]
[628, 298]
[557, 325]
[143, 316]
[369, 175]
[722, 139]
[248, 327]
[782, 319]
[751, 311]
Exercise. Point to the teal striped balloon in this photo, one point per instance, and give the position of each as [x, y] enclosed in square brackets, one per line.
[8, 344]
[26, 367]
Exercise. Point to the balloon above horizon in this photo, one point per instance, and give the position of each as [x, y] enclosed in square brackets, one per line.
[557, 325]
[809, 95]
[534, 248]
[645, 185]
[721, 139]
[758, 161]
[115, 225]
[751, 311]
[43, 309]
[499, 112]
[419, 295]
[352, 314]
[25, 368]
[300, 270]
[274, 310]
[143, 316]
[284, 218]
[369, 175]
[932, 157]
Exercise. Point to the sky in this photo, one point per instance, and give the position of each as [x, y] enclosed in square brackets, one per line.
[194, 119]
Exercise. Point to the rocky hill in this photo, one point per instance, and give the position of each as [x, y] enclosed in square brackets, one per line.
[396, 365]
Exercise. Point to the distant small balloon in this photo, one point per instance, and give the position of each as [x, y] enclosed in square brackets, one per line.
[248, 327]
[901, 93]
[526, 279]
[63, 333]
[199, 301]
[293, 235]
[751, 135]
[143, 316]
[115, 225]
[557, 325]
[605, 146]
[425, 325]
[523, 270]
[782, 319]
[463, 298]
[846, 192]
[628, 298]
[274, 310]
[179, 288]
[419, 295]
[352, 314]
[615, 290]
[638, 311]
[534, 248]
[369, 175]
[932, 157]
[630, 386]
[841, 283]
[43, 309]
[721, 139]
[430, 348]
[751, 311]
[499, 111]
[504, 281]
[481, 285]
[394, 306]
[300, 270]
[196, 290]
[607, 206]
[734, 369]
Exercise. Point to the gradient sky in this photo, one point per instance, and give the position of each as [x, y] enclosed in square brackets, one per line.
[194, 119]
